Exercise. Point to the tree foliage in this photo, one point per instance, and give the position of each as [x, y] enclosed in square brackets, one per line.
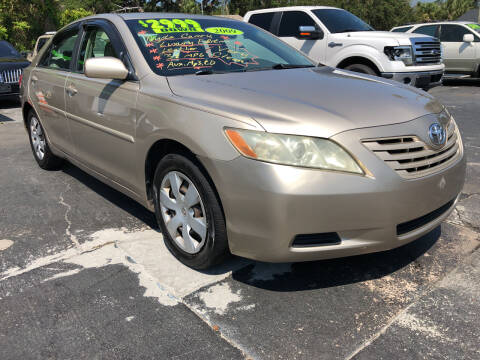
[22, 21]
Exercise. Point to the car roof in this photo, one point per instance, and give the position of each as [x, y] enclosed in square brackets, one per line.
[159, 15]
[293, 8]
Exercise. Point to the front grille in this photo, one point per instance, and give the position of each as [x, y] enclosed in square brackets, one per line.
[10, 76]
[426, 51]
[411, 158]
[414, 224]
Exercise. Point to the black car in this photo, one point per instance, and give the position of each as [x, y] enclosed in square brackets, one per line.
[11, 67]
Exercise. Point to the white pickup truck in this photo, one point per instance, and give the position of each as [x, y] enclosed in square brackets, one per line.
[337, 38]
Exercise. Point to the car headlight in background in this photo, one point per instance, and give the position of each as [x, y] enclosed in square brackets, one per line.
[293, 150]
[400, 53]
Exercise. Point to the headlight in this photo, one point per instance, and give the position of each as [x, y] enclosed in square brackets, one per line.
[293, 150]
[400, 53]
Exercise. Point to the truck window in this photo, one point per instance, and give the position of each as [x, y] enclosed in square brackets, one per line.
[454, 33]
[430, 30]
[262, 20]
[292, 20]
[339, 21]
[402, 29]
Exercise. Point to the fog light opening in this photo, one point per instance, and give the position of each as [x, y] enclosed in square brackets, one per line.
[407, 80]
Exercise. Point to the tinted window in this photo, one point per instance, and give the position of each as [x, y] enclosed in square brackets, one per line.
[453, 33]
[59, 55]
[430, 30]
[292, 20]
[402, 29]
[263, 20]
[338, 21]
[96, 43]
[8, 51]
[184, 46]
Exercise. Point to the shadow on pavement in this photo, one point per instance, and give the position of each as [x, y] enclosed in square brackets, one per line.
[8, 104]
[335, 272]
[112, 195]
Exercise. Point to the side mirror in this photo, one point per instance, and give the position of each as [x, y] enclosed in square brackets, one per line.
[468, 38]
[105, 68]
[309, 33]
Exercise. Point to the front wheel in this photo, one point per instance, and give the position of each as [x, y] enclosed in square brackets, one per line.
[189, 213]
[361, 68]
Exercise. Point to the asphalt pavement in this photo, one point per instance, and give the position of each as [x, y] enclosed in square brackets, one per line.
[84, 274]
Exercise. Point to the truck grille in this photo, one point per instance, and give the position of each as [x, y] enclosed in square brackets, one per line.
[426, 51]
[411, 158]
[10, 76]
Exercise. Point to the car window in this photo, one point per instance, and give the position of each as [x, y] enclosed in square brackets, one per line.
[453, 33]
[8, 51]
[338, 21]
[183, 46]
[96, 43]
[402, 29]
[292, 20]
[430, 30]
[59, 55]
[262, 20]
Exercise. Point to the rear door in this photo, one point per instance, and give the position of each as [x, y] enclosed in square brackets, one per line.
[459, 56]
[47, 88]
[102, 112]
[288, 31]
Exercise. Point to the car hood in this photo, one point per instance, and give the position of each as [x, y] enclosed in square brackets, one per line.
[13, 63]
[311, 101]
[384, 36]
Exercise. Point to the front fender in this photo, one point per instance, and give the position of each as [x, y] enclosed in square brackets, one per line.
[368, 52]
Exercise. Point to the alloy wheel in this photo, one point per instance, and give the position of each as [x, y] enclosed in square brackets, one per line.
[38, 138]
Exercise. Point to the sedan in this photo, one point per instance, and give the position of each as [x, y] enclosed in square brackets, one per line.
[12, 64]
[238, 142]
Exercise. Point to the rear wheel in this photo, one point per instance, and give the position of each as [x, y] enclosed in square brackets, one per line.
[361, 68]
[39, 144]
[189, 213]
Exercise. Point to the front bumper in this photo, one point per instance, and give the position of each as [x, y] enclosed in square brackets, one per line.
[421, 79]
[14, 91]
[267, 205]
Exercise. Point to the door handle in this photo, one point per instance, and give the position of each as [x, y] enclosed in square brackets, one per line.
[34, 79]
[71, 91]
[333, 44]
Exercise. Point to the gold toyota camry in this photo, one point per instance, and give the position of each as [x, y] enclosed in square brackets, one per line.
[238, 142]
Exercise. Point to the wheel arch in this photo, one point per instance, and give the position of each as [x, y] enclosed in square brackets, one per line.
[160, 149]
[358, 60]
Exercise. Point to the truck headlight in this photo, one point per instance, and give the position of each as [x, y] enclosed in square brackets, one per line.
[400, 53]
[302, 151]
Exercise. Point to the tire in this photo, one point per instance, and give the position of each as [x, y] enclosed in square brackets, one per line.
[39, 144]
[200, 221]
[361, 68]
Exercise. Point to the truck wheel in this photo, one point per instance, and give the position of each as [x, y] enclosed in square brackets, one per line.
[361, 68]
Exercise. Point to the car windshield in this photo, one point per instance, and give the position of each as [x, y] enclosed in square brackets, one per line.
[475, 27]
[338, 21]
[174, 46]
[8, 51]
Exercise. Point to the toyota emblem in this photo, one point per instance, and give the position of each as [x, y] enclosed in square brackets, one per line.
[437, 134]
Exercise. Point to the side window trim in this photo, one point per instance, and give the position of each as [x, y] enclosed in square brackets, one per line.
[275, 25]
[48, 51]
[116, 40]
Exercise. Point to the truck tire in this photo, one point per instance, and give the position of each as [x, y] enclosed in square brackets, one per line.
[361, 68]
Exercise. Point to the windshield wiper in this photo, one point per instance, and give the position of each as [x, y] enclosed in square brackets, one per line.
[205, 72]
[290, 66]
